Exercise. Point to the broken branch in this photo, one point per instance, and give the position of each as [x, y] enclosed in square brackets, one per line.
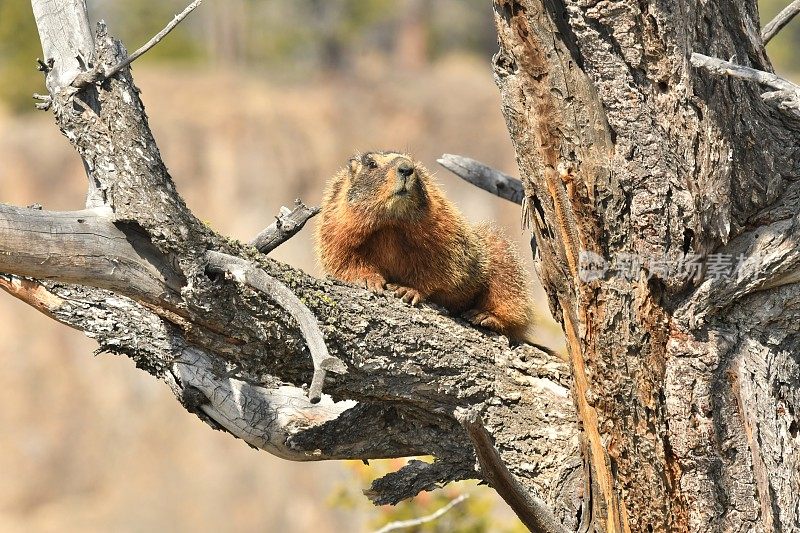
[531, 509]
[85, 247]
[286, 225]
[786, 95]
[484, 176]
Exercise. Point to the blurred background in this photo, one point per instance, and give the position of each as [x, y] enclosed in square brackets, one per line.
[253, 104]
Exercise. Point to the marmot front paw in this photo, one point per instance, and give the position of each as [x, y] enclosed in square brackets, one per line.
[407, 294]
[483, 319]
[373, 283]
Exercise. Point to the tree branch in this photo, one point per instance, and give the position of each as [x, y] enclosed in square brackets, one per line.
[485, 177]
[286, 225]
[403, 524]
[531, 509]
[154, 41]
[246, 273]
[417, 476]
[786, 95]
[783, 18]
[98, 73]
[67, 42]
[85, 247]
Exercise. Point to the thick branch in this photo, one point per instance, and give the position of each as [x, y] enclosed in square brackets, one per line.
[85, 247]
[271, 416]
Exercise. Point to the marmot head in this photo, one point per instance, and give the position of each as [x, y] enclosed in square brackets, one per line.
[391, 184]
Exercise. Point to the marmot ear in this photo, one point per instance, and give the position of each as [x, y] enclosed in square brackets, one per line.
[355, 166]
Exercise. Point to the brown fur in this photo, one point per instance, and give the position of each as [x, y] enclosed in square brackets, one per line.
[383, 232]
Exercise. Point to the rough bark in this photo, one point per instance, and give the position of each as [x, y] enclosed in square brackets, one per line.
[141, 284]
[686, 386]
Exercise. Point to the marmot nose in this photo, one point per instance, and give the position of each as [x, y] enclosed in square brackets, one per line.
[405, 169]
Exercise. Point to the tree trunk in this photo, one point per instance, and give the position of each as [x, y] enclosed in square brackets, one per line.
[682, 190]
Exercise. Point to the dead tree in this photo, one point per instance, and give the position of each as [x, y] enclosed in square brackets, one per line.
[684, 404]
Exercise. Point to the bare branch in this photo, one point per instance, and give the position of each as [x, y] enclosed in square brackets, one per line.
[247, 273]
[787, 94]
[783, 18]
[531, 509]
[402, 524]
[485, 177]
[154, 41]
[286, 225]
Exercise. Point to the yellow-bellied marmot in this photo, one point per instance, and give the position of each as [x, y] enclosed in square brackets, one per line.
[385, 224]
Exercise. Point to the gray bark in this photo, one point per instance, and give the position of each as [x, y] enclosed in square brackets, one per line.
[234, 356]
[783, 18]
[686, 386]
[485, 177]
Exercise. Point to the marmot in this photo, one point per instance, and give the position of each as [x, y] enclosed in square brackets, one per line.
[385, 224]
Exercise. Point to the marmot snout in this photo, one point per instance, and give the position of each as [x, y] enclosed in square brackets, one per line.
[385, 224]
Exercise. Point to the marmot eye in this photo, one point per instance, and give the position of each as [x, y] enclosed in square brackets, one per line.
[372, 164]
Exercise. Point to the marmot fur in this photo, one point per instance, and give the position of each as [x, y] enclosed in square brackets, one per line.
[385, 224]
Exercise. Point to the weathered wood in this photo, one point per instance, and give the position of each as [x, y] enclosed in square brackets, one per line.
[286, 225]
[85, 247]
[66, 37]
[484, 176]
[786, 94]
[247, 273]
[783, 18]
[530, 508]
